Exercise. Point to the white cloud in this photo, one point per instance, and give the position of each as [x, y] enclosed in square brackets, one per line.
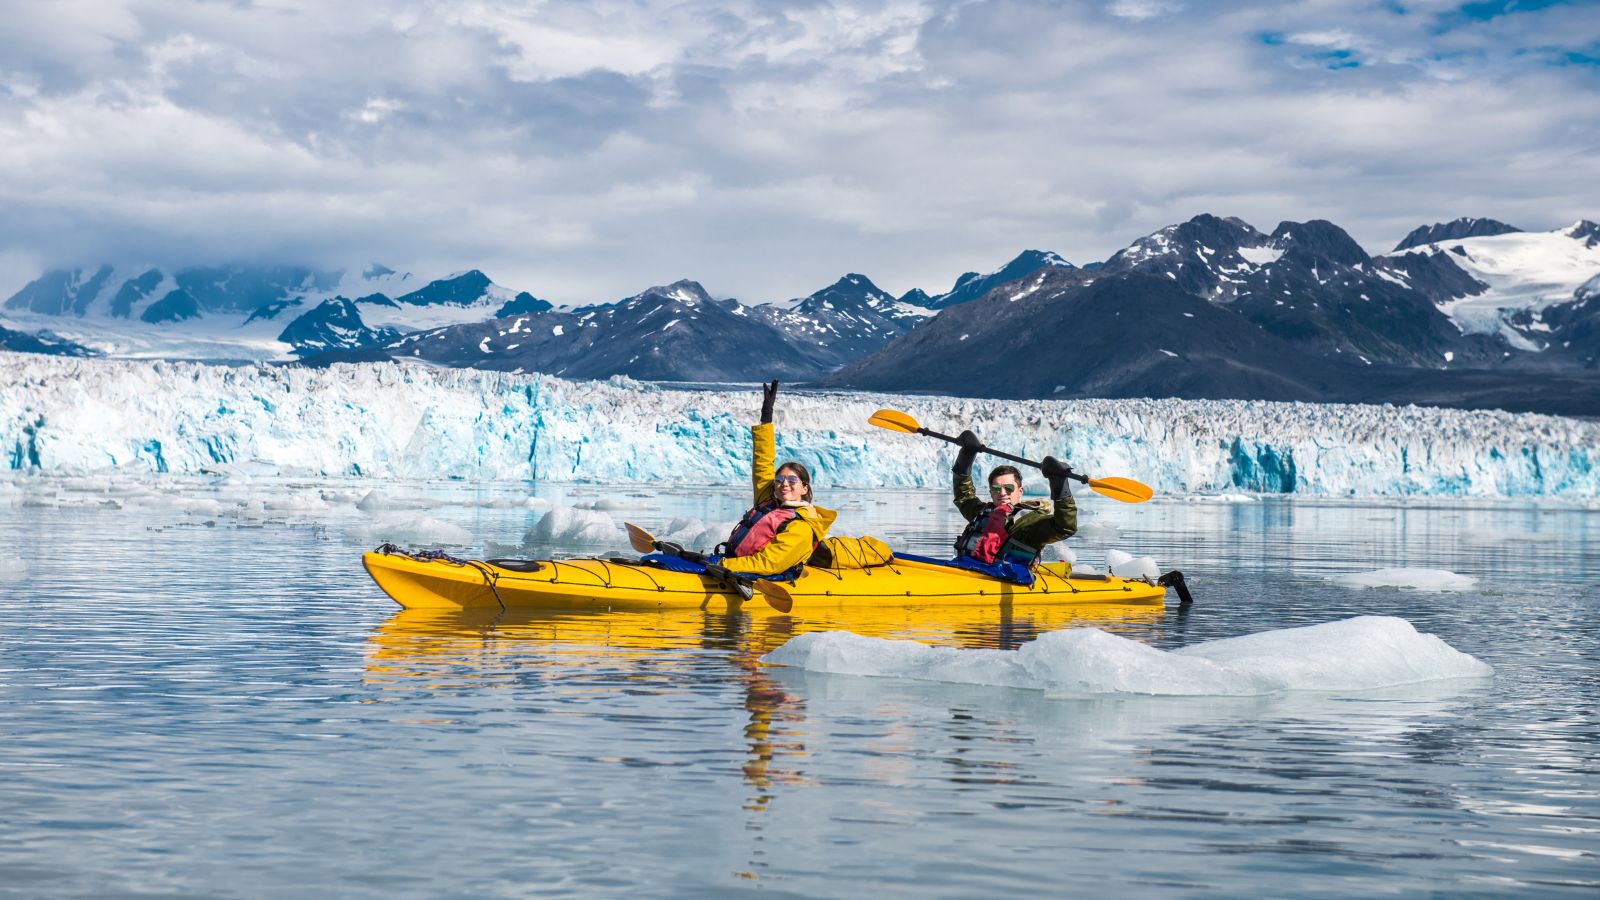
[583, 151]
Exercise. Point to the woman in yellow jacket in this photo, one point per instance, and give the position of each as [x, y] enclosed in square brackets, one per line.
[782, 530]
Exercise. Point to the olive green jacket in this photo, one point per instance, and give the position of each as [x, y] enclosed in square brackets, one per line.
[1032, 522]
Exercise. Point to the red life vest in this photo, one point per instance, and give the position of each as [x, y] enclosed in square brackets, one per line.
[993, 534]
[988, 539]
[757, 529]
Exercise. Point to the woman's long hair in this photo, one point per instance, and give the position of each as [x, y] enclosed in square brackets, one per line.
[805, 478]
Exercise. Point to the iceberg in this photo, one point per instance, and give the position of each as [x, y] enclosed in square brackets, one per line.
[1364, 653]
[384, 420]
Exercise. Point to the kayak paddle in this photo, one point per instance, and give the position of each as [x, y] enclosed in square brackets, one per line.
[644, 542]
[1125, 489]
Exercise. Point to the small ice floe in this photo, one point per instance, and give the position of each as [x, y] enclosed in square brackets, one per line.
[1099, 531]
[536, 503]
[341, 498]
[299, 502]
[569, 525]
[409, 528]
[1059, 552]
[694, 534]
[13, 569]
[378, 501]
[1126, 565]
[1359, 654]
[203, 507]
[1435, 580]
[1496, 536]
[612, 505]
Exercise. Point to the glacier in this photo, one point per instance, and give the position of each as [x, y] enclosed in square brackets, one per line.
[383, 420]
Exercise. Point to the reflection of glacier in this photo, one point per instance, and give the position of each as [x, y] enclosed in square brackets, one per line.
[391, 420]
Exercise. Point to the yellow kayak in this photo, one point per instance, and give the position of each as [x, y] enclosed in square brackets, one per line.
[419, 582]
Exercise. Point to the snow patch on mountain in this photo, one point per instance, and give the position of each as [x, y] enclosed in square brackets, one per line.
[388, 420]
[1525, 271]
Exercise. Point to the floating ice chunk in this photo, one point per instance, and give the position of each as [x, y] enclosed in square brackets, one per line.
[1418, 579]
[13, 570]
[613, 505]
[1364, 653]
[410, 528]
[536, 503]
[1495, 536]
[378, 501]
[202, 507]
[341, 498]
[1059, 552]
[1351, 654]
[567, 525]
[1099, 531]
[694, 534]
[1126, 565]
[298, 501]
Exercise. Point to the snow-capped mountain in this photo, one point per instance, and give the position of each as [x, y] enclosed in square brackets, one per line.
[40, 342]
[972, 285]
[1301, 313]
[677, 332]
[842, 322]
[1470, 312]
[240, 312]
[1311, 284]
[666, 333]
[1463, 227]
[1527, 277]
[384, 420]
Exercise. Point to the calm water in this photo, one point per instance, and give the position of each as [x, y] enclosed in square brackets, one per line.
[233, 709]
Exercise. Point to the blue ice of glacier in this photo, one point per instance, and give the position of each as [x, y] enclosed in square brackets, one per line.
[409, 421]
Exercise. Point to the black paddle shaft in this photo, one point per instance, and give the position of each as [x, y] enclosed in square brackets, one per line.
[730, 580]
[1084, 479]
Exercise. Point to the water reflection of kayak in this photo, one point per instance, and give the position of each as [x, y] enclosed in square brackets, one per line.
[617, 583]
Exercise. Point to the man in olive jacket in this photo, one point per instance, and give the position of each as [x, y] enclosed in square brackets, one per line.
[1008, 526]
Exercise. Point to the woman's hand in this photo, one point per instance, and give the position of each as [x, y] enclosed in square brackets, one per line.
[769, 393]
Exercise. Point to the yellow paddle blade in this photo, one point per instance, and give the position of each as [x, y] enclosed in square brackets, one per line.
[1125, 489]
[776, 595]
[641, 540]
[894, 420]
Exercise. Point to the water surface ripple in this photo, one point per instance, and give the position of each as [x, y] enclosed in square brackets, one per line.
[227, 707]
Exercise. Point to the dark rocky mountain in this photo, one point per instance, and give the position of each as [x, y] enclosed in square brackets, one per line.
[842, 322]
[1138, 335]
[276, 308]
[1130, 335]
[674, 332]
[677, 332]
[334, 325]
[1215, 308]
[60, 292]
[177, 305]
[468, 289]
[1450, 231]
[134, 291]
[248, 288]
[1587, 231]
[1573, 327]
[972, 285]
[522, 304]
[41, 342]
[192, 292]
[1311, 284]
[916, 297]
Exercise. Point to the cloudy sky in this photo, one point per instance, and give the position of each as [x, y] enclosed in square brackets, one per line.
[586, 150]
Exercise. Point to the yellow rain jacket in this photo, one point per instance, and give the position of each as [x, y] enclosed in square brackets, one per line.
[792, 545]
